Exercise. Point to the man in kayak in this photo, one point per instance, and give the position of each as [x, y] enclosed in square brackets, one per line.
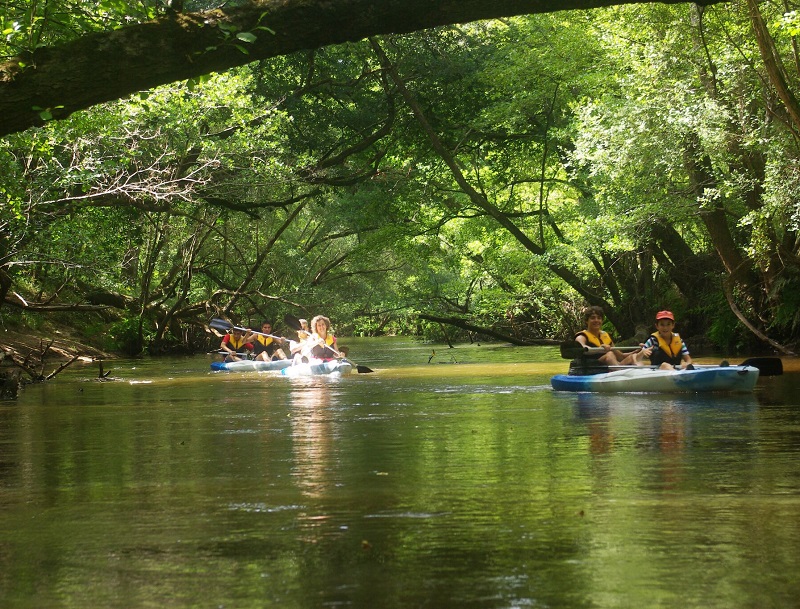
[595, 336]
[664, 347]
[266, 348]
[235, 346]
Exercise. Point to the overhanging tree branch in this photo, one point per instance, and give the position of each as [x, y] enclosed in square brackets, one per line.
[53, 82]
[464, 325]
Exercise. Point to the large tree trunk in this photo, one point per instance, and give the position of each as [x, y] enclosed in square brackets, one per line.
[56, 81]
[701, 175]
[686, 270]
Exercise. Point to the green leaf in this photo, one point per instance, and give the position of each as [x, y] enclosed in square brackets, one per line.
[246, 36]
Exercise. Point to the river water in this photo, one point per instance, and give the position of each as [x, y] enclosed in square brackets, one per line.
[460, 482]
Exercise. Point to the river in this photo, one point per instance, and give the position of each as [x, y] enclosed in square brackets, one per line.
[446, 478]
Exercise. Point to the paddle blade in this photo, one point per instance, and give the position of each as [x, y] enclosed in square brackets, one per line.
[364, 370]
[767, 366]
[571, 349]
[292, 322]
[220, 324]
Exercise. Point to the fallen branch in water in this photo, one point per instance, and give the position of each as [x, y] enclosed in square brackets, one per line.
[61, 368]
[460, 323]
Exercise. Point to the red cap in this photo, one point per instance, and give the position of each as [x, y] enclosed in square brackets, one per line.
[665, 315]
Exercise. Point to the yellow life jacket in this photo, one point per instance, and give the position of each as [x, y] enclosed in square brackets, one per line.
[605, 338]
[318, 350]
[328, 339]
[234, 344]
[264, 340]
[672, 348]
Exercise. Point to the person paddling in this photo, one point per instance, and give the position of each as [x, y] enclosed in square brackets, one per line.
[322, 341]
[318, 346]
[266, 347]
[595, 336]
[235, 346]
[664, 347]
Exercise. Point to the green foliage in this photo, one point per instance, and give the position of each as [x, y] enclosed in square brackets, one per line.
[303, 184]
[124, 336]
[27, 26]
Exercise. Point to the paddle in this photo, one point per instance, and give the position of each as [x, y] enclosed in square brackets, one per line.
[767, 366]
[225, 326]
[294, 324]
[572, 349]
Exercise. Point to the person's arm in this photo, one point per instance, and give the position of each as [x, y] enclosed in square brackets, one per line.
[647, 348]
[685, 357]
[336, 352]
[224, 344]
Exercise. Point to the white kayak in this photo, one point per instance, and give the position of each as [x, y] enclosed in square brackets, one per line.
[244, 365]
[647, 379]
[335, 367]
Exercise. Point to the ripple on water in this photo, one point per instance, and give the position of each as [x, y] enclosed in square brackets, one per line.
[263, 508]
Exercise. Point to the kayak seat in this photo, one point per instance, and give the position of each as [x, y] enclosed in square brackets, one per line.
[586, 367]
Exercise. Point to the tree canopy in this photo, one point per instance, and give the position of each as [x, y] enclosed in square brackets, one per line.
[119, 51]
[486, 177]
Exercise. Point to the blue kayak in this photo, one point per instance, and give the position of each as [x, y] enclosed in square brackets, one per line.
[654, 380]
[251, 364]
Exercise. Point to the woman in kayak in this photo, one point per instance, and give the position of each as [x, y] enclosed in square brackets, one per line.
[322, 341]
[318, 344]
[665, 348]
[595, 336]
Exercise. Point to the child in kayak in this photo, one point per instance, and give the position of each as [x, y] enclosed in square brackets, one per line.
[595, 336]
[664, 347]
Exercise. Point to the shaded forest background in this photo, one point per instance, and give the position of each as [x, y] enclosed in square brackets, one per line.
[483, 179]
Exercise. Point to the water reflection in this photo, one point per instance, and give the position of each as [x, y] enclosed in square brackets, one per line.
[463, 485]
[313, 435]
[668, 434]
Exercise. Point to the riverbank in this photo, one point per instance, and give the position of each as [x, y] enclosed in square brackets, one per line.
[55, 345]
[32, 356]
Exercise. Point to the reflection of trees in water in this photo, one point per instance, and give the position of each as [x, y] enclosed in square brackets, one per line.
[657, 423]
[312, 438]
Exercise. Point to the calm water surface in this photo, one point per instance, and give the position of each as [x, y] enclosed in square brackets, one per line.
[463, 482]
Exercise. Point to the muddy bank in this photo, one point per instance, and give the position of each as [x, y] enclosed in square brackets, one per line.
[27, 357]
[61, 346]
